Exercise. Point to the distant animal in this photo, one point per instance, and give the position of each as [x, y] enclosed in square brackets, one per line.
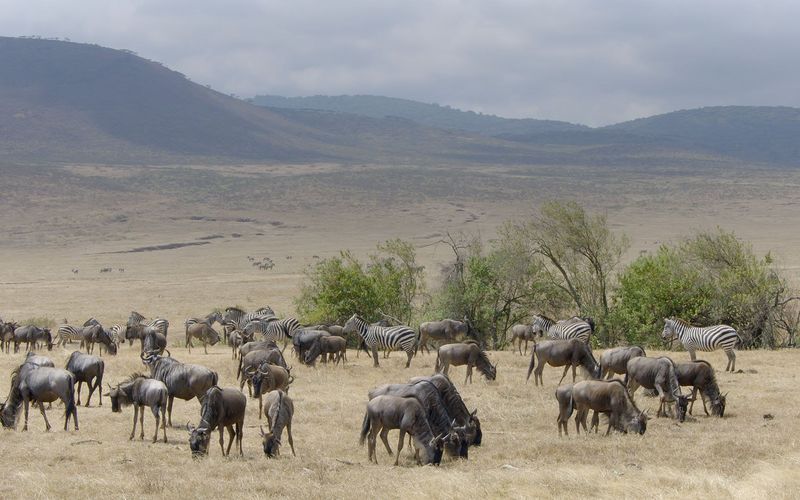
[456, 408]
[609, 397]
[237, 319]
[325, 345]
[566, 353]
[32, 335]
[7, 335]
[183, 381]
[268, 377]
[573, 328]
[40, 384]
[141, 392]
[380, 337]
[699, 375]
[616, 360]
[279, 411]
[659, 374]
[446, 330]
[709, 338]
[467, 353]
[87, 335]
[89, 369]
[222, 408]
[522, 333]
[385, 413]
[202, 332]
[235, 341]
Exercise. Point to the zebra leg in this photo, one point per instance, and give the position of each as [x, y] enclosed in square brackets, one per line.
[375, 356]
[410, 354]
[731, 360]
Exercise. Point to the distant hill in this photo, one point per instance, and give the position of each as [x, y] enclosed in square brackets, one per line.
[431, 115]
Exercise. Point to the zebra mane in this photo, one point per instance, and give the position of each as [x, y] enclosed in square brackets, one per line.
[234, 310]
[545, 318]
[681, 322]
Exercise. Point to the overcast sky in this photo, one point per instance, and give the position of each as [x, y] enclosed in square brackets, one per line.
[594, 61]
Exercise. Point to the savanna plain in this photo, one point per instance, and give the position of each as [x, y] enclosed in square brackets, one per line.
[174, 242]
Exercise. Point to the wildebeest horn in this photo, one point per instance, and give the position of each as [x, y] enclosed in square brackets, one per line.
[169, 354]
[453, 423]
[189, 427]
[725, 395]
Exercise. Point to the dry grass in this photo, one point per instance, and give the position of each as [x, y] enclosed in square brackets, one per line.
[742, 455]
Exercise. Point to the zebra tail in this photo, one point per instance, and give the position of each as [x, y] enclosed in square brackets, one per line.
[364, 429]
[570, 406]
[532, 363]
[416, 344]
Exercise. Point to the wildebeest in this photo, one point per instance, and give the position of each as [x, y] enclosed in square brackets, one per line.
[40, 384]
[455, 406]
[141, 392]
[566, 353]
[257, 345]
[439, 419]
[565, 407]
[89, 369]
[447, 330]
[183, 381]
[522, 333]
[7, 335]
[235, 341]
[268, 377]
[203, 332]
[279, 411]
[302, 340]
[611, 397]
[467, 353]
[659, 374]
[616, 360]
[385, 413]
[154, 342]
[32, 334]
[252, 360]
[37, 360]
[223, 407]
[699, 375]
[324, 345]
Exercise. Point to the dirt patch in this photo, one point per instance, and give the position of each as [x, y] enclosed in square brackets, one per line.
[167, 246]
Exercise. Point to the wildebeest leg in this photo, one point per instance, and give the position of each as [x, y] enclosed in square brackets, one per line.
[595, 421]
[163, 422]
[169, 409]
[289, 435]
[79, 393]
[566, 368]
[260, 404]
[385, 439]
[662, 399]
[731, 360]
[399, 446]
[375, 356]
[469, 374]
[371, 442]
[46, 422]
[537, 373]
[141, 423]
[239, 436]
[25, 427]
[573, 372]
[205, 347]
[154, 409]
[579, 415]
[135, 417]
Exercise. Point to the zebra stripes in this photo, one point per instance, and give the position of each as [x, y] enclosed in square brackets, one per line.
[69, 333]
[697, 338]
[236, 319]
[161, 325]
[375, 337]
[208, 319]
[573, 328]
[275, 330]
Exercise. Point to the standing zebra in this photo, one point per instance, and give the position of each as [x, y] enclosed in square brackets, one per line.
[236, 319]
[573, 328]
[160, 324]
[382, 337]
[281, 329]
[697, 338]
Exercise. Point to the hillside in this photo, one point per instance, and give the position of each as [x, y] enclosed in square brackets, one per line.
[431, 115]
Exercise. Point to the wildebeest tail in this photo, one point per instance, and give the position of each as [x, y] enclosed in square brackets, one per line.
[416, 344]
[215, 377]
[71, 409]
[644, 353]
[438, 366]
[239, 368]
[364, 428]
[532, 363]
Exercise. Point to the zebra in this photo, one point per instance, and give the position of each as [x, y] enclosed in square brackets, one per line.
[382, 337]
[236, 319]
[69, 334]
[276, 330]
[709, 338]
[573, 328]
[209, 319]
[161, 325]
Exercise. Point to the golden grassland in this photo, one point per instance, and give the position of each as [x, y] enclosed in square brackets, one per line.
[742, 455]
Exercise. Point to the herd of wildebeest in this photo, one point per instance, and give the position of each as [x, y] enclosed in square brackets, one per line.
[429, 409]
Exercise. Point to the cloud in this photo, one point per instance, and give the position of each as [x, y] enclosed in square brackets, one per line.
[587, 61]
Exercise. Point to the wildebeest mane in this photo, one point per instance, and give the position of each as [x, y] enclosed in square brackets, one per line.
[483, 364]
[209, 412]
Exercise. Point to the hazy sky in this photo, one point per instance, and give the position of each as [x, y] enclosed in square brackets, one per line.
[594, 61]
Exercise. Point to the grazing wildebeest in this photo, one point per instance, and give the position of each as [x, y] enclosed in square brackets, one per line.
[441, 422]
[566, 353]
[615, 361]
[707, 338]
[659, 374]
[446, 330]
[327, 344]
[89, 369]
[455, 406]
[467, 353]
[7, 335]
[223, 407]
[40, 384]
[141, 392]
[279, 411]
[565, 407]
[250, 362]
[183, 381]
[522, 333]
[302, 340]
[32, 334]
[385, 413]
[611, 397]
[203, 332]
[155, 342]
[699, 375]
[268, 377]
